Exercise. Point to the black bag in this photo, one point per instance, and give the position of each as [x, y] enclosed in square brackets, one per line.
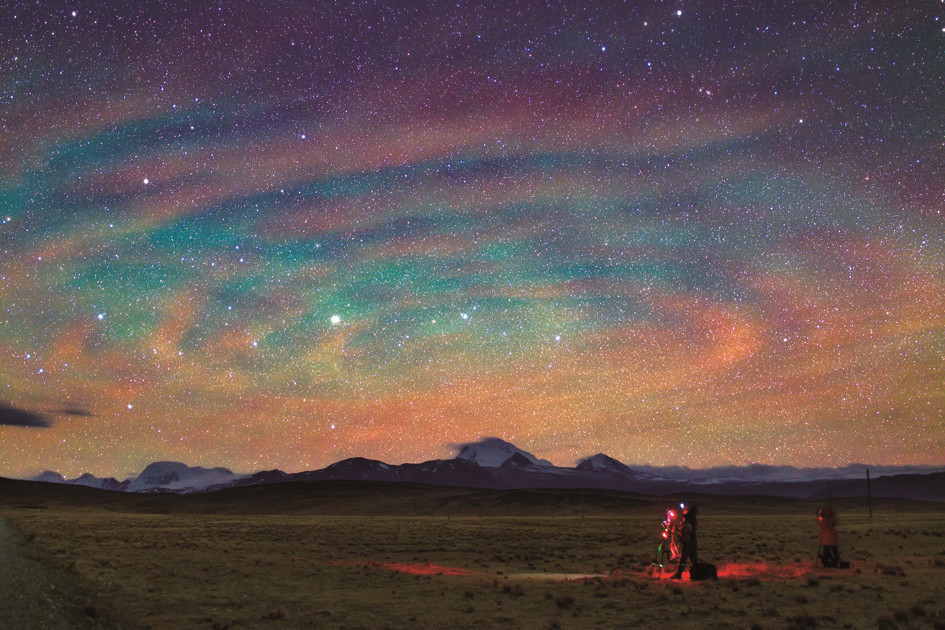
[703, 571]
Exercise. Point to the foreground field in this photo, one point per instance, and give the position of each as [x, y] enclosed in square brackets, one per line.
[180, 570]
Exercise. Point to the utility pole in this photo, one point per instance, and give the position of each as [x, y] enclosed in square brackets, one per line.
[869, 495]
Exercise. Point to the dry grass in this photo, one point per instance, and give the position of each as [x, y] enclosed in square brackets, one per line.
[309, 570]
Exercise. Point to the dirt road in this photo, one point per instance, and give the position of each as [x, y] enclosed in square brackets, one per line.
[33, 595]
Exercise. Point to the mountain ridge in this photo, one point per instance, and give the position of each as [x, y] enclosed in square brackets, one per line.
[510, 467]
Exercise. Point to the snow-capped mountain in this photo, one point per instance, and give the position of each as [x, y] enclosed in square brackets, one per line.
[161, 477]
[604, 464]
[108, 483]
[493, 453]
[86, 479]
[180, 478]
[49, 476]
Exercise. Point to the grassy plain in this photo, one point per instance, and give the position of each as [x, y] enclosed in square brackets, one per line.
[449, 558]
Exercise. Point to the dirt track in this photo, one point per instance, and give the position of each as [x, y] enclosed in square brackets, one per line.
[32, 595]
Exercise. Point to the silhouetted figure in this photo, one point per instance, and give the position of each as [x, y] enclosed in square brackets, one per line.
[829, 539]
[669, 538]
[687, 539]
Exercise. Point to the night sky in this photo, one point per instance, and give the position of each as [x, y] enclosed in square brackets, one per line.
[279, 234]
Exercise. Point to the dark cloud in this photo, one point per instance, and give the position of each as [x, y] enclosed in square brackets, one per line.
[13, 417]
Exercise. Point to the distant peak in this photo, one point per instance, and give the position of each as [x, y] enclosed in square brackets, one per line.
[358, 462]
[604, 463]
[162, 467]
[49, 476]
[493, 452]
[179, 476]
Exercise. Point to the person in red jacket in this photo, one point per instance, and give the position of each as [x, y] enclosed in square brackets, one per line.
[829, 538]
